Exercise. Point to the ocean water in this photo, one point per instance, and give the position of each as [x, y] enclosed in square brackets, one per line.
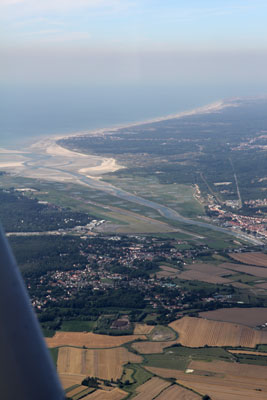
[30, 113]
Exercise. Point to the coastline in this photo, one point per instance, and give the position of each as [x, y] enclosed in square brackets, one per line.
[207, 109]
[55, 156]
[47, 160]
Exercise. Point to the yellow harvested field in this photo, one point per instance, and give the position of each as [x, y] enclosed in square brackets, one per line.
[232, 380]
[177, 392]
[203, 277]
[220, 381]
[150, 389]
[115, 394]
[142, 329]
[205, 273]
[167, 272]
[259, 272]
[69, 380]
[88, 339]
[198, 332]
[169, 269]
[252, 317]
[223, 390]
[208, 269]
[77, 390]
[104, 364]
[151, 347]
[256, 258]
[255, 353]
[237, 370]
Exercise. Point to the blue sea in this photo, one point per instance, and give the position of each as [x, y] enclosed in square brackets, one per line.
[28, 113]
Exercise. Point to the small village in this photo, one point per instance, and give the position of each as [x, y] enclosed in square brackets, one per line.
[249, 224]
[129, 267]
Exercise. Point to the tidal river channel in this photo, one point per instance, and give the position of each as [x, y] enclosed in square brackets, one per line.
[39, 161]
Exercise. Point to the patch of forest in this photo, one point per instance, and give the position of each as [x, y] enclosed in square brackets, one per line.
[19, 213]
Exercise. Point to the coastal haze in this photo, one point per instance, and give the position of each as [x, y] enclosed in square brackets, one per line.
[29, 113]
[133, 138]
[70, 66]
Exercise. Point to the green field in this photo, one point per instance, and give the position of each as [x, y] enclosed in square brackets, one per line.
[262, 347]
[139, 376]
[77, 326]
[251, 359]
[178, 197]
[128, 375]
[178, 357]
[124, 216]
[244, 278]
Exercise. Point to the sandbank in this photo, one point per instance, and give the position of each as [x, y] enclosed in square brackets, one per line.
[11, 164]
[47, 159]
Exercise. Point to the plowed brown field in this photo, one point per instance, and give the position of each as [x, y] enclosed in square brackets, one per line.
[104, 364]
[198, 332]
[203, 277]
[212, 269]
[88, 339]
[176, 392]
[205, 273]
[150, 389]
[247, 269]
[261, 285]
[246, 316]
[256, 258]
[115, 394]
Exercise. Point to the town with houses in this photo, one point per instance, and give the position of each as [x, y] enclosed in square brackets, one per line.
[256, 225]
[223, 214]
[131, 266]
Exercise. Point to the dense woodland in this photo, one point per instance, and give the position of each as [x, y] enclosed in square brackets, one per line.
[18, 213]
[36, 255]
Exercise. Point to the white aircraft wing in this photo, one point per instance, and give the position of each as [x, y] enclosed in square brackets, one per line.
[26, 369]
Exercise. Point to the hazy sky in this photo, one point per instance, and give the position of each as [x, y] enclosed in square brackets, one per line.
[128, 41]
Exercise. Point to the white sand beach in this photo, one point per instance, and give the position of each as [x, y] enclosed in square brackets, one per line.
[46, 159]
